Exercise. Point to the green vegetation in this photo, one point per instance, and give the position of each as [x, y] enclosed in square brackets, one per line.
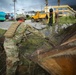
[67, 20]
[33, 43]
[28, 17]
[2, 31]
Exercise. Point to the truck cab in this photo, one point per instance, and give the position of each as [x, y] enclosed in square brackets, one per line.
[39, 16]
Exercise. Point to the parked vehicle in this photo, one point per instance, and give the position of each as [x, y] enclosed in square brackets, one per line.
[39, 17]
[2, 16]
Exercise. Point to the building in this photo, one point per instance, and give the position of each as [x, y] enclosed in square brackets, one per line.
[63, 10]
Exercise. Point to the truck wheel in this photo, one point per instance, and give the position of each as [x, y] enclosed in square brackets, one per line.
[44, 21]
[1, 20]
[32, 20]
[39, 20]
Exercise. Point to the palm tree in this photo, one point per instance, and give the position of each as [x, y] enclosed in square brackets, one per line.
[58, 2]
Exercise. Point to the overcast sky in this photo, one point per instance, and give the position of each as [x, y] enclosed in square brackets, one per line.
[29, 5]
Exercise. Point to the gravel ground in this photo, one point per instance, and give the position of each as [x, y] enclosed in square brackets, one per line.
[5, 25]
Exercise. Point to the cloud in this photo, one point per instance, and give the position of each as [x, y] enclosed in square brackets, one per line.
[28, 5]
[69, 2]
[6, 6]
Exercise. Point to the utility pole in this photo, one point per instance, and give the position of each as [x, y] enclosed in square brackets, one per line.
[14, 9]
[46, 2]
[41, 7]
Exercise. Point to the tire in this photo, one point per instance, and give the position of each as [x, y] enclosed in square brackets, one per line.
[39, 20]
[32, 20]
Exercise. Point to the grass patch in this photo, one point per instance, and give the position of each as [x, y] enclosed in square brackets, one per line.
[67, 20]
[2, 31]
